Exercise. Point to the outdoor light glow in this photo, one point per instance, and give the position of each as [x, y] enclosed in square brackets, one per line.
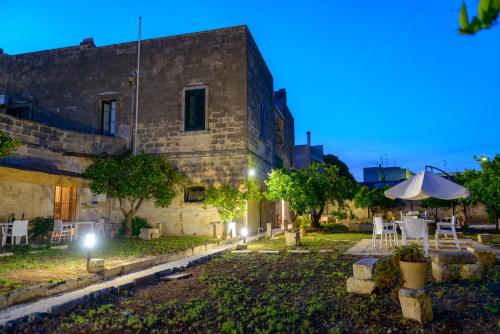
[231, 228]
[244, 232]
[251, 172]
[89, 240]
[484, 158]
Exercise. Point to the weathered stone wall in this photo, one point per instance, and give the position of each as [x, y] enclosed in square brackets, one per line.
[52, 148]
[69, 84]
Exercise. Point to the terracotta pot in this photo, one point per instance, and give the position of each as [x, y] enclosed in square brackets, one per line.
[414, 274]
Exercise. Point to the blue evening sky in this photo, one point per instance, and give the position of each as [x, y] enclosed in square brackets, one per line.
[373, 81]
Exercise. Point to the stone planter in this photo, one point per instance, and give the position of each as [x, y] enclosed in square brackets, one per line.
[360, 227]
[414, 274]
[292, 238]
[149, 233]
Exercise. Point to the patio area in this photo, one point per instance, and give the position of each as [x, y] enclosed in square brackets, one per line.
[366, 248]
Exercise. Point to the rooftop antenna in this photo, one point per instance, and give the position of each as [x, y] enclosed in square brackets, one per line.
[137, 86]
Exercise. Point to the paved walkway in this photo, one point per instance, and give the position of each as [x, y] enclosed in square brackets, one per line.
[68, 300]
[365, 247]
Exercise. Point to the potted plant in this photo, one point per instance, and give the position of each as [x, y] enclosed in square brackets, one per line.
[413, 266]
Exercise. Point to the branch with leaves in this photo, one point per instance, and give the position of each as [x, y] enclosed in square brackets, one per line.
[487, 15]
[134, 179]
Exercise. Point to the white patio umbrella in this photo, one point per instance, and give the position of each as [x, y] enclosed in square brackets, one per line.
[424, 185]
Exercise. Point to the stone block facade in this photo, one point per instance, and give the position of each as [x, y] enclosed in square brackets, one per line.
[66, 88]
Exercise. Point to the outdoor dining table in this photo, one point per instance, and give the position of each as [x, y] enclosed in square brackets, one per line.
[82, 225]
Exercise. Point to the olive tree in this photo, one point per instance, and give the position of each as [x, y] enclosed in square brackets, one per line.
[134, 179]
[484, 186]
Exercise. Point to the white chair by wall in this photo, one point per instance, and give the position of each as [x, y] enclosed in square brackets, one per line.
[447, 229]
[99, 228]
[415, 228]
[61, 230]
[17, 232]
[4, 230]
[384, 230]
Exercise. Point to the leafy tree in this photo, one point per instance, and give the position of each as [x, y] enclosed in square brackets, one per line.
[487, 14]
[340, 188]
[7, 145]
[373, 200]
[484, 186]
[310, 189]
[133, 179]
[287, 185]
[434, 203]
[331, 159]
[231, 201]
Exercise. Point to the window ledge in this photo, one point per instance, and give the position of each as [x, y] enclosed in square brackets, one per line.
[195, 132]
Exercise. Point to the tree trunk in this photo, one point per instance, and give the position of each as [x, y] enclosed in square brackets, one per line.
[316, 216]
[129, 214]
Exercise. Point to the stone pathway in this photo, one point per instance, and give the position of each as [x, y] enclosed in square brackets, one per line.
[69, 300]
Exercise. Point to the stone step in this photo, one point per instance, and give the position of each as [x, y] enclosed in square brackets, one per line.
[360, 286]
[364, 268]
[6, 254]
[62, 247]
[269, 252]
[243, 251]
[177, 276]
[299, 251]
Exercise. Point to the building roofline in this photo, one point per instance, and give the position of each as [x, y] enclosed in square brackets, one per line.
[242, 26]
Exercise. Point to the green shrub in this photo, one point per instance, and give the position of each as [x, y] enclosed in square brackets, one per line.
[409, 253]
[137, 224]
[386, 273]
[40, 227]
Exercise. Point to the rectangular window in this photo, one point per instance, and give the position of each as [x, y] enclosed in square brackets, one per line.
[194, 194]
[65, 203]
[262, 119]
[108, 114]
[194, 109]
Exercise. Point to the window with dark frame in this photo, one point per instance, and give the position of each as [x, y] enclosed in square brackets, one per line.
[194, 109]
[194, 194]
[108, 114]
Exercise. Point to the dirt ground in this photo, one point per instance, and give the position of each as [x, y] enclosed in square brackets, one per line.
[260, 293]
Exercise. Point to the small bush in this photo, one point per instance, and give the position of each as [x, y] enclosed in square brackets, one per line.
[386, 273]
[409, 253]
[137, 224]
[40, 227]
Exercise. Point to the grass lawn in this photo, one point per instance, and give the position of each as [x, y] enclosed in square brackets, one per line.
[262, 293]
[33, 266]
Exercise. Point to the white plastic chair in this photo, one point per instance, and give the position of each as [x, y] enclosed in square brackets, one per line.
[415, 228]
[99, 227]
[4, 235]
[447, 229]
[383, 229]
[18, 231]
[61, 230]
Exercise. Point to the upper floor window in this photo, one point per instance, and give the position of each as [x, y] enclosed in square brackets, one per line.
[194, 194]
[195, 108]
[108, 114]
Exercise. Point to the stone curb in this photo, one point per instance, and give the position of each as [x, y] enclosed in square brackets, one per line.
[30, 293]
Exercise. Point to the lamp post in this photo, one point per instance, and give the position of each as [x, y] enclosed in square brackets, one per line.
[244, 235]
[89, 244]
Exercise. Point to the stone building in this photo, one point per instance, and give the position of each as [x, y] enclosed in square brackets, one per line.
[206, 103]
[306, 155]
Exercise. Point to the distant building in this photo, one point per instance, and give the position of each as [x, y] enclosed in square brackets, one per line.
[305, 155]
[376, 177]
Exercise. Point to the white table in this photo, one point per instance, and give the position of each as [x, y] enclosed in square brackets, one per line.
[85, 226]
